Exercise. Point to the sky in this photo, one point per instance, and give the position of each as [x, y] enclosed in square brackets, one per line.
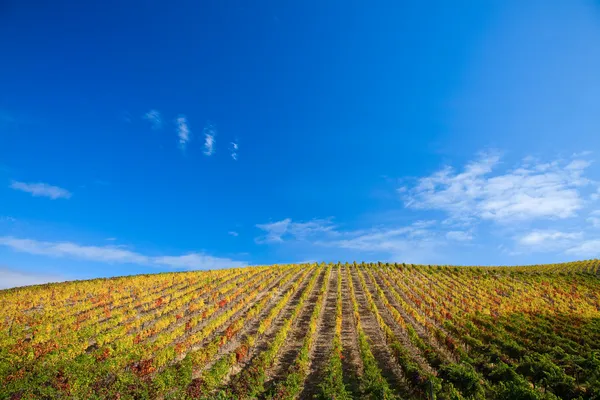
[141, 137]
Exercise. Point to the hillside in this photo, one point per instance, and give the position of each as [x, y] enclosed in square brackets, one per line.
[333, 331]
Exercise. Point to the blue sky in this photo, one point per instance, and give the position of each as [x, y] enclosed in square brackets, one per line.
[143, 137]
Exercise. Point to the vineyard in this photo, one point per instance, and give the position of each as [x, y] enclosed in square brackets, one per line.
[327, 331]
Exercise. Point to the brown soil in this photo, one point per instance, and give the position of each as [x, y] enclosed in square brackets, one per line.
[295, 338]
[351, 363]
[400, 333]
[322, 345]
[263, 342]
[251, 327]
[385, 360]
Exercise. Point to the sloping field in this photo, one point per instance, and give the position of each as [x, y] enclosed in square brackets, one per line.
[337, 331]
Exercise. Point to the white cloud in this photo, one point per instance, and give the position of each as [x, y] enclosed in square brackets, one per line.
[540, 236]
[116, 254]
[234, 150]
[42, 190]
[594, 218]
[276, 231]
[210, 133]
[198, 261]
[415, 243]
[10, 278]
[578, 165]
[183, 131]
[530, 191]
[233, 233]
[154, 117]
[588, 248]
[459, 236]
[68, 249]
[548, 240]
[8, 219]
[382, 240]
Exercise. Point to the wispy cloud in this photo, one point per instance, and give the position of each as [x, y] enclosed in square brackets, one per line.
[198, 261]
[548, 240]
[41, 190]
[155, 119]
[183, 131]
[415, 242]
[587, 248]
[69, 249]
[532, 190]
[277, 231]
[274, 231]
[210, 133]
[12, 278]
[233, 233]
[388, 240]
[459, 236]
[234, 149]
[114, 254]
[594, 218]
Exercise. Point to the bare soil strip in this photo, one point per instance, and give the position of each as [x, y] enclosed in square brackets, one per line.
[251, 327]
[189, 315]
[443, 351]
[385, 360]
[92, 342]
[295, 337]
[182, 290]
[351, 363]
[322, 345]
[263, 343]
[235, 316]
[400, 333]
[220, 311]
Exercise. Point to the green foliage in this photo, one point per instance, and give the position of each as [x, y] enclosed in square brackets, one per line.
[374, 386]
[455, 332]
[464, 378]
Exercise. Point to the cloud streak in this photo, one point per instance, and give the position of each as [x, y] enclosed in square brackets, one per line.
[588, 248]
[547, 240]
[183, 131]
[594, 218]
[41, 190]
[210, 133]
[540, 237]
[12, 278]
[234, 150]
[114, 254]
[275, 232]
[386, 240]
[459, 236]
[416, 242]
[155, 119]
